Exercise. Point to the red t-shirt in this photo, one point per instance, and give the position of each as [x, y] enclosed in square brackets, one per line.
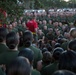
[31, 25]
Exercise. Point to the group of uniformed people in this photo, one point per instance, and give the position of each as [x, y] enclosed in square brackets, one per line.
[39, 46]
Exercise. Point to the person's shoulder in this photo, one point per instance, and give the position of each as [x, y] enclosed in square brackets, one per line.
[3, 48]
[9, 52]
[21, 48]
[50, 69]
[33, 47]
[48, 66]
[51, 65]
[3, 45]
[35, 72]
[64, 45]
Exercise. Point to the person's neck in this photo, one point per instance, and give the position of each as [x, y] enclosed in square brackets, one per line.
[15, 49]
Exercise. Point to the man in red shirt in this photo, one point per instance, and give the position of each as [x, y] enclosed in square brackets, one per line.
[33, 26]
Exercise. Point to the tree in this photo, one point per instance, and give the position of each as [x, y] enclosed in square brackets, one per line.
[52, 3]
[12, 8]
[38, 4]
[72, 3]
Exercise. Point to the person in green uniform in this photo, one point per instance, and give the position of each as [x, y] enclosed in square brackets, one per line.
[60, 27]
[56, 25]
[48, 17]
[64, 72]
[40, 25]
[10, 27]
[12, 40]
[40, 35]
[19, 66]
[72, 37]
[14, 25]
[50, 35]
[50, 25]
[19, 26]
[51, 68]
[67, 61]
[45, 30]
[27, 43]
[3, 33]
[28, 53]
[46, 60]
[72, 45]
[23, 27]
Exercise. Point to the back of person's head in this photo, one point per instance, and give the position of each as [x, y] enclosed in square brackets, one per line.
[72, 45]
[19, 66]
[44, 50]
[33, 17]
[49, 47]
[28, 53]
[27, 38]
[47, 57]
[63, 72]
[12, 40]
[3, 33]
[57, 52]
[67, 61]
[57, 45]
[73, 33]
[61, 40]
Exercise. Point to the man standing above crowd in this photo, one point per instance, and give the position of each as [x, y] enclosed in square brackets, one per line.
[32, 25]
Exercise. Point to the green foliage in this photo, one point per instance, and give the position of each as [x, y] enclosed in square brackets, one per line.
[54, 4]
[49, 4]
[38, 4]
[12, 8]
[72, 3]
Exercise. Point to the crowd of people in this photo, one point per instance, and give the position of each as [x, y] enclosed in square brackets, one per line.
[39, 44]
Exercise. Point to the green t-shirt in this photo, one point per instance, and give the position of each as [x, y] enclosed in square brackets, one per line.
[19, 27]
[40, 26]
[35, 72]
[50, 36]
[50, 26]
[43, 66]
[50, 69]
[65, 45]
[8, 56]
[23, 29]
[37, 54]
[45, 32]
[3, 48]
[15, 30]
[41, 36]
